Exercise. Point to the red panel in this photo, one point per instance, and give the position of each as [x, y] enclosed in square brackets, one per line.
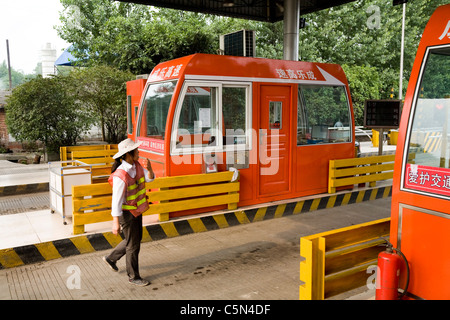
[425, 242]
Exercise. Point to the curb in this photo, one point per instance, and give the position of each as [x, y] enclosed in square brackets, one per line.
[24, 189]
[55, 249]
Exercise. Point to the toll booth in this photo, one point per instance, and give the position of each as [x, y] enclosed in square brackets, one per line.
[420, 213]
[278, 122]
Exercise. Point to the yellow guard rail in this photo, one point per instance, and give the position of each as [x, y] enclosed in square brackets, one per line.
[92, 203]
[337, 261]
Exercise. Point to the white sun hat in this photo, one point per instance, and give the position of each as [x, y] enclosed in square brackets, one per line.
[125, 146]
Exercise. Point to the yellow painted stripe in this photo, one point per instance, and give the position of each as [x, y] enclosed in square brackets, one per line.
[169, 229]
[346, 199]
[314, 204]
[145, 235]
[360, 196]
[48, 250]
[386, 192]
[83, 245]
[112, 239]
[373, 194]
[197, 225]
[21, 188]
[280, 210]
[260, 214]
[221, 221]
[242, 217]
[298, 207]
[9, 258]
[331, 202]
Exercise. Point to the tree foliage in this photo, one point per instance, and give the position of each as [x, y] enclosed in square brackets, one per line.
[17, 77]
[101, 92]
[44, 109]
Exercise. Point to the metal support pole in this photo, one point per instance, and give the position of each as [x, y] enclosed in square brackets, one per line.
[400, 93]
[9, 64]
[291, 29]
[380, 141]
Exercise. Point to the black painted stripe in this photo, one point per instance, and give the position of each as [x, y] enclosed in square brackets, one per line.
[183, 227]
[65, 247]
[210, 223]
[98, 241]
[156, 232]
[29, 254]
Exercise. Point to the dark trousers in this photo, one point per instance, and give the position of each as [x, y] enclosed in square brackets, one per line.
[131, 245]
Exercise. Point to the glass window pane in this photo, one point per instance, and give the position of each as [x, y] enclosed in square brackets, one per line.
[429, 137]
[234, 114]
[275, 114]
[156, 104]
[323, 115]
[428, 167]
[198, 121]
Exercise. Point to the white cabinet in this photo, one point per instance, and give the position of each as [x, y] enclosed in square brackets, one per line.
[64, 175]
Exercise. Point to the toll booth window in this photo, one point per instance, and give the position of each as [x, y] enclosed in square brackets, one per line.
[214, 116]
[275, 114]
[234, 101]
[153, 115]
[198, 117]
[323, 115]
[429, 136]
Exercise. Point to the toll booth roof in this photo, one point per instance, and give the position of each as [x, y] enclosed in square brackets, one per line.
[223, 68]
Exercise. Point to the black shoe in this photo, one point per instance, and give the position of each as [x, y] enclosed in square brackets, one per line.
[111, 264]
[139, 282]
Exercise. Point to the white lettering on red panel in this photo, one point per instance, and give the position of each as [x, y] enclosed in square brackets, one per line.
[166, 72]
[295, 74]
[155, 145]
[428, 179]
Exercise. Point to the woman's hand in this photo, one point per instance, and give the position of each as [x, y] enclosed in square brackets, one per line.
[116, 226]
[150, 169]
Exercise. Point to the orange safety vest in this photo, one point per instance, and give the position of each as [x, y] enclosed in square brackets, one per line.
[135, 193]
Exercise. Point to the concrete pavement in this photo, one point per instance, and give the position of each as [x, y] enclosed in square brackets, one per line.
[256, 261]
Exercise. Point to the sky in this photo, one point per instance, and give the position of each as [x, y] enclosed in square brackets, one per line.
[28, 25]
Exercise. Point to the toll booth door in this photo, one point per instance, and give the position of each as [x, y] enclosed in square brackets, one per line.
[274, 141]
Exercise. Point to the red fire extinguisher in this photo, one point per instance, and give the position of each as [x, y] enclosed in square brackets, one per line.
[389, 265]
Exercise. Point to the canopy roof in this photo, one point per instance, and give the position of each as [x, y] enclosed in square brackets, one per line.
[66, 58]
[262, 10]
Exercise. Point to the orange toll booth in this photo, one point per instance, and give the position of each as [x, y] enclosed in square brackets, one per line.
[278, 122]
[420, 212]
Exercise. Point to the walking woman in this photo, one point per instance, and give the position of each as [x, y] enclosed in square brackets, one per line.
[129, 201]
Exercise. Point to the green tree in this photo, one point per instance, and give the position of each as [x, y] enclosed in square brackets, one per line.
[43, 109]
[101, 94]
[132, 37]
[17, 77]
[364, 84]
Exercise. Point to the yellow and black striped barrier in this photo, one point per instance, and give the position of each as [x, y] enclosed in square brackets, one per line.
[45, 251]
[23, 189]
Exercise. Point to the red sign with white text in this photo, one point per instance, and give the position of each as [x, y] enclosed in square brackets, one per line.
[428, 179]
[151, 144]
